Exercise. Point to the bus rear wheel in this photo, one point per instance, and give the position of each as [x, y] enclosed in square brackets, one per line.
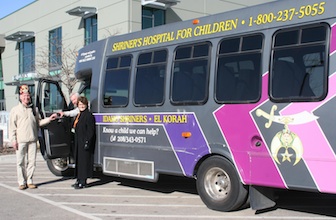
[59, 167]
[219, 186]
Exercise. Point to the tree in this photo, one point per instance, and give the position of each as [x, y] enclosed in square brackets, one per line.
[57, 62]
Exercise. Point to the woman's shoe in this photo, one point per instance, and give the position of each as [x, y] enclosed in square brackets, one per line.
[80, 186]
[75, 184]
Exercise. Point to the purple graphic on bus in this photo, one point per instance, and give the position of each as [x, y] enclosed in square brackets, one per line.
[239, 129]
[260, 165]
[187, 149]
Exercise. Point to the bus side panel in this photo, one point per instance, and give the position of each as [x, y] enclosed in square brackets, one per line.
[239, 136]
[172, 141]
[88, 68]
[300, 156]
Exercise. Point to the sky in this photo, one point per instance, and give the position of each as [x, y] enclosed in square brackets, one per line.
[9, 6]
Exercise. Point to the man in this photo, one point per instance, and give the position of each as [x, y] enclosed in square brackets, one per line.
[72, 113]
[23, 128]
[74, 100]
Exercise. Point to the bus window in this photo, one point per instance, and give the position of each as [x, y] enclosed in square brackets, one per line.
[314, 67]
[86, 93]
[116, 87]
[238, 69]
[299, 64]
[190, 74]
[150, 77]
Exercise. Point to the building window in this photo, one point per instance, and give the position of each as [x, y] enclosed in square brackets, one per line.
[90, 29]
[55, 48]
[2, 91]
[1, 74]
[27, 56]
[152, 17]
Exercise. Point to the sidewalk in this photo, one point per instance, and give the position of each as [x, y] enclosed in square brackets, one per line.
[11, 158]
[8, 158]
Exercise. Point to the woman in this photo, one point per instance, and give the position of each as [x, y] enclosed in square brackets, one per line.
[85, 138]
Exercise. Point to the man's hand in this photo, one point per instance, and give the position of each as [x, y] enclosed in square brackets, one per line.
[53, 117]
[15, 145]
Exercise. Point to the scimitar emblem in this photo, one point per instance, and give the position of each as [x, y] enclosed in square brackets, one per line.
[286, 140]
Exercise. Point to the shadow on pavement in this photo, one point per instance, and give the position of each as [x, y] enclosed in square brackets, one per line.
[165, 184]
[54, 181]
[308, 202]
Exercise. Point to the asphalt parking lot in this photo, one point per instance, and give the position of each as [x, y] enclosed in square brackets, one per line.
[116, 198]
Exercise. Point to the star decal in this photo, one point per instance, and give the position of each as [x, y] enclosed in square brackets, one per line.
[286, 156]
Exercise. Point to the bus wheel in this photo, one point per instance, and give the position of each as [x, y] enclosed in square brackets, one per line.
[219, 186]
[59, 167]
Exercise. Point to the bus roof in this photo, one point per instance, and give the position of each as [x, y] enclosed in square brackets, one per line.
[268, 15]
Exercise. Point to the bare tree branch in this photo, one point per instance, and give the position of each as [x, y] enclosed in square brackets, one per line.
[58, 65]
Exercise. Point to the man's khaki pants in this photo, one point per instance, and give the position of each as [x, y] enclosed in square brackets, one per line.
[26, 162]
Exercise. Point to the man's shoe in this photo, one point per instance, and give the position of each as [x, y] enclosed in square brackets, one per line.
[32, 186]
[80, 186]
[22, 187]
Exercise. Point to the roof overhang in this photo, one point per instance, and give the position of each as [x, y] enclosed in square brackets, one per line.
[2, 40]
[13, 83]
[2, 43]
[20, 36]
[83, 12]
[23, 77]
[159, 4]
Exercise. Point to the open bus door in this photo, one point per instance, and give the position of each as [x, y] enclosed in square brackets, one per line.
[55, 138]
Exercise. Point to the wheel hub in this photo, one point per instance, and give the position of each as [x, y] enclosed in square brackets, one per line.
[60, 164]
[217, 183]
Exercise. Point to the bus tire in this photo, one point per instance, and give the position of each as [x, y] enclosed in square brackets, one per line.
[59, 167]
[219, 186]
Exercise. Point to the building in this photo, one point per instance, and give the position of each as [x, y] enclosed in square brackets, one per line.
[33, 39]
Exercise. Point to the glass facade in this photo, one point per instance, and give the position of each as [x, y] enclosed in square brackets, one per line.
[90, 34]
[152, 17]
[27, 56]
[55, 48]
[2, 91]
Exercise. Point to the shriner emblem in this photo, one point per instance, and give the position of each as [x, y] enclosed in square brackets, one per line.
[286, 145]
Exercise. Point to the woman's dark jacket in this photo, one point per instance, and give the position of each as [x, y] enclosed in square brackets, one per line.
[85, 134]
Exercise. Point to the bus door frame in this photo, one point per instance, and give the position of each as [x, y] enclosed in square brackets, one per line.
[54, 138]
